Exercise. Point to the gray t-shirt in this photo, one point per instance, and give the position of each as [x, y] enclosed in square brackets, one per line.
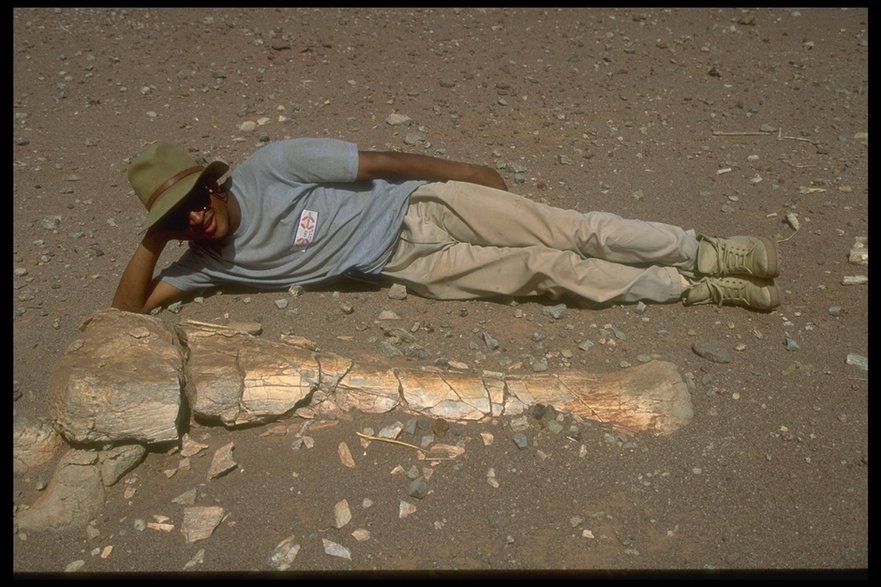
[304, 220]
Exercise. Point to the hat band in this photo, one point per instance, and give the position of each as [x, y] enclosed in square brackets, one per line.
[170, 182]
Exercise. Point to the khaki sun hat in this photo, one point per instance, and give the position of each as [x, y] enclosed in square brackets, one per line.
[163, 175]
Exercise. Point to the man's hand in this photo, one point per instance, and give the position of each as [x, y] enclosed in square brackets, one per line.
[138, 291]
[393, 165]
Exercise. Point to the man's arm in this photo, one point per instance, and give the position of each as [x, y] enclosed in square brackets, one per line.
[393, 165]
[138, 291]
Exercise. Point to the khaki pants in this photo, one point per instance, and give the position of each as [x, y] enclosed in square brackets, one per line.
[462, 241]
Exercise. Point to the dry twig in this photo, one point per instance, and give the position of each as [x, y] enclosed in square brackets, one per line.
[746, 133]
[749, 133]
[391, 440]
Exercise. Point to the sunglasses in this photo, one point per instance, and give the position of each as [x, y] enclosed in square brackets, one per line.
[179, 218]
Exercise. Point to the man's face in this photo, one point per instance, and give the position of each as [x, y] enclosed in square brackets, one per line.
[203, 215]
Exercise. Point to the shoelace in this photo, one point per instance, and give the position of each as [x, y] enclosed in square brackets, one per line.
[726, 256]
[720, 292]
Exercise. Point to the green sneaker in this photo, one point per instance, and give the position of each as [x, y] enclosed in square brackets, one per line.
[747, 292]
[737, 255]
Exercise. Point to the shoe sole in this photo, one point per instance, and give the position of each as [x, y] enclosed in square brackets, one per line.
[774, 292]
[773, 265]
[773, 301]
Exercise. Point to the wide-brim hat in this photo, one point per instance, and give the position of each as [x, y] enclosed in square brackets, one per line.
[163, 175]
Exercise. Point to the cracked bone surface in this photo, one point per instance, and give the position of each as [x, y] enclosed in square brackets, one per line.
[122, 381]
[238, 379]
[119, 381]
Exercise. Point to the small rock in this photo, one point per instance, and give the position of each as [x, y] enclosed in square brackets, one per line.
[391, 431]
[222, 462]
[199, 522]
[415, 351]
[397, 291]
[554, 427]
[859, 255]
[186, 498]
[790, 344]
[284, 554]
[342, 515]
[281, 304]
[520, 440]
[406, 509]
[519, 424]
[360, 534]
[388, 350]
[711, 351]
[74, 566]
[346, 455]
[858, 361]
[395, 119]
[418, 488]
[190, 447]
[439, 427]
[491, 478]
[447, 451]
[51, 222]
[556, 312]
[413, 138]
[854, 279]
[490, 342]
[836, 311]
[334, 549]
[198, 559]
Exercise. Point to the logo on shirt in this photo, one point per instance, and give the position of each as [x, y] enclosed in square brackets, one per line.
[306, 229]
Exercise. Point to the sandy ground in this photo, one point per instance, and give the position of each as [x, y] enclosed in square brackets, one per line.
[615, 110]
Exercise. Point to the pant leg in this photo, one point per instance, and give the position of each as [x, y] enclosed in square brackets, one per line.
[434, 264]
[485, 216]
